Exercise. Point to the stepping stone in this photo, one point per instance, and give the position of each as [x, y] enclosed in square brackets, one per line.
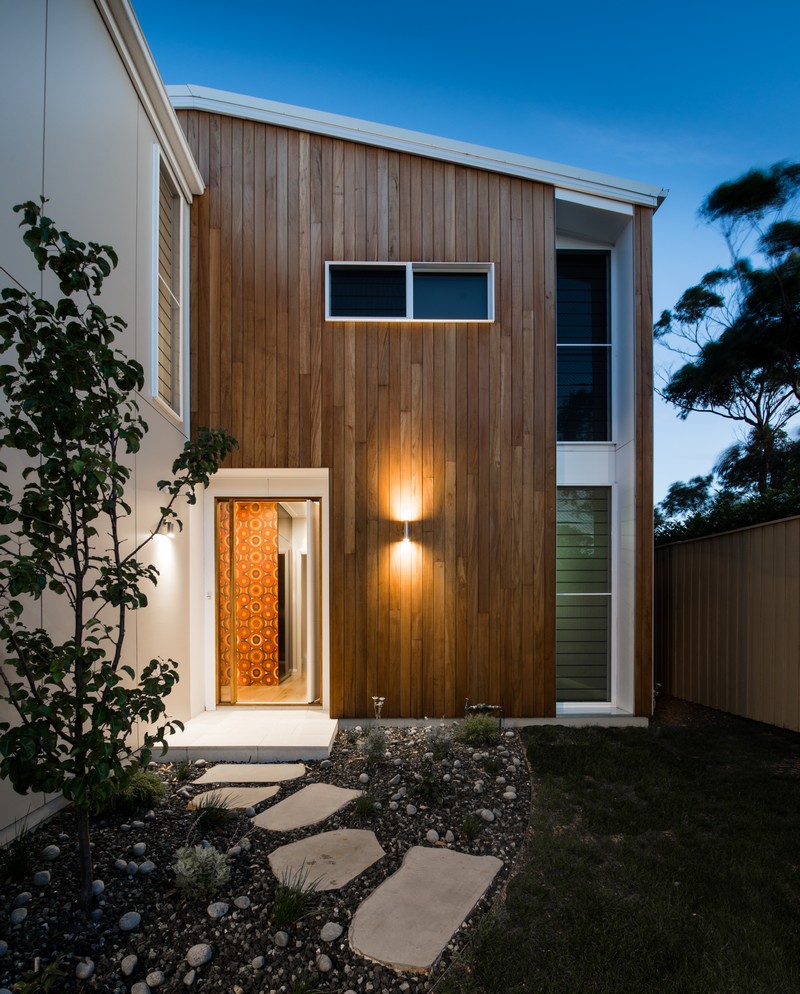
[408, 920]
[332, 859]
[307, 807]
[252, 773]
[237, 797]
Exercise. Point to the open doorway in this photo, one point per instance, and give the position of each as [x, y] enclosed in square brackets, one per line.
[268, 600]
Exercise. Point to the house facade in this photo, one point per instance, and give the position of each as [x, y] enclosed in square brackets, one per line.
[437, 360]
[90, 127]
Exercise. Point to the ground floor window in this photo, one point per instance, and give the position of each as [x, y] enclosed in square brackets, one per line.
[267, 624]
[583, 594]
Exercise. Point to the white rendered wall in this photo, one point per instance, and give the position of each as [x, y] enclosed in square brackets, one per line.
[76, 131]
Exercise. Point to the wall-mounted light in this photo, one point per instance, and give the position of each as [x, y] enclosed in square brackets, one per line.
[167, 528]
[405, 531]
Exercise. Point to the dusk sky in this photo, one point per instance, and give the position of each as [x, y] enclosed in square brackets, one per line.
[682, 96]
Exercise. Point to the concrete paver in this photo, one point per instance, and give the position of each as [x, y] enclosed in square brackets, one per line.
[252, 773]
[238, 797]
[331, 859]
[408, 920]
[308, 806]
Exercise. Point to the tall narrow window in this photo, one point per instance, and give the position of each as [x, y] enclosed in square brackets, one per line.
[584, 347]
[583, 593]
[167, 358]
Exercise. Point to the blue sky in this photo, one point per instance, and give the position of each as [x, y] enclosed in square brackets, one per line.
[682, 96]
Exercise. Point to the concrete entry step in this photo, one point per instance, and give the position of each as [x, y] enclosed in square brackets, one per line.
[330, 859]
[308, 806]
[408, 920]
[251, 735]
[239, 798]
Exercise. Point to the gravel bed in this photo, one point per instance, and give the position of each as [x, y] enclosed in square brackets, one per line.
[451, 795]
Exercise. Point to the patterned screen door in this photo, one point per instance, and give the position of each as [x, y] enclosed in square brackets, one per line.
[248, 595]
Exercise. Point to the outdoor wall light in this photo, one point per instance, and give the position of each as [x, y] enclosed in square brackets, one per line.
[167, 528]
[405, 531]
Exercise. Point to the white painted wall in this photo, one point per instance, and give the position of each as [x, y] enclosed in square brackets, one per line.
[76, 130]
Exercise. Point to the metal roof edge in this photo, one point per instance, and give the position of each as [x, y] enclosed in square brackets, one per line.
[192, 97]
[126, 33]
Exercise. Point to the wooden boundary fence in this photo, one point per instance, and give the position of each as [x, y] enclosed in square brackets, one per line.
[727, 621]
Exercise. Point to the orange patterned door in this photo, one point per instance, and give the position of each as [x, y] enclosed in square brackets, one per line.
[248, 594]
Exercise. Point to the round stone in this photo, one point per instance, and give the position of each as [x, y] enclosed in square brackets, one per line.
[410, 809]
[447, 778]
[393, 805]
[22, 899]
[281, 939]
[150, 815]
[326, 764]
[201, 762]
[132, 868]
[449, 837]
[509, 796]
[50, 853]
[395, 780]
[139, 849]
[98, 887]
[3, 947]
[189, 978]
[140, 987]
[18, 916]
[130, 920]
[258, 962]
[331, 932]
[218, 909]
[97, 915]
[364, 778]
[242, 902]
[324, 963]
[249, 812]
[121, 865]
[147, 867]
[487, 815]
[137, 824]
[199, 954]
[457, 764]
[156, 978]
[128, 965]
[234, 851]
[244, 844]
[84, 970]
[432, 836]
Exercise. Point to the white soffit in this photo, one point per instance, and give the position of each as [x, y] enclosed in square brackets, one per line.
[122, 25]
[568, 178]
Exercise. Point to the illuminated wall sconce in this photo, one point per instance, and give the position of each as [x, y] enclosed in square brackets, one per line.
[405, 531]
[167, 528]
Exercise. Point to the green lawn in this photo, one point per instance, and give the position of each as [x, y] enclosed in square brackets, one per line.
[660, 860]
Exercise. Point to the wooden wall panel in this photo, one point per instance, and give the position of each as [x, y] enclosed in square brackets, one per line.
[727, 621]
[452, 426]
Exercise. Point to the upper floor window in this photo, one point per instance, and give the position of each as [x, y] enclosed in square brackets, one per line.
[583, 335]
[167, 358]
[409, 291]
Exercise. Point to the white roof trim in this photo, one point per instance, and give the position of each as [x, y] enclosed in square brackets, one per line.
[122, 25]
[192, 97]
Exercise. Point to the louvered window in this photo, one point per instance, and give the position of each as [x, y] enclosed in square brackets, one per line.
[168, 337]
[583, 593]
[584, 347]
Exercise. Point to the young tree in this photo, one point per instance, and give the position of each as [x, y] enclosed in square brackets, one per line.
[738, 331]
[70, 408]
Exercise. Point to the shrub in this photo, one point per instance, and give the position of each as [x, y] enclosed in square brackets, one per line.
[471, 827]
[211, 811]
[374, 745]
[440, 741]
[428, 787]
[183, 771]
[201, 870]
[492, 765]
[478, 729]
[364, 807]
[295, 898]
[137, 789]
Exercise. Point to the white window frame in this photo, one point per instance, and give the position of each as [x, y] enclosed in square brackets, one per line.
[175, 412]
[411, 268]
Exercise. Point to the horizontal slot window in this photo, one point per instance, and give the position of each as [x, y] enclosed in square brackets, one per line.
[409, 291]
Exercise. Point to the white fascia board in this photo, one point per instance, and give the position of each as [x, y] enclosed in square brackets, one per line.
[125, 32]
[191, 97]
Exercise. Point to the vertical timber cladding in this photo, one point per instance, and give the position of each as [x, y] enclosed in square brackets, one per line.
[450, 426]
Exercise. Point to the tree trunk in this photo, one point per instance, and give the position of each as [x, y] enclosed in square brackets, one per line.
[84, 859]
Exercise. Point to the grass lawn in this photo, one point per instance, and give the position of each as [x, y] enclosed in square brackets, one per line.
[659, 860]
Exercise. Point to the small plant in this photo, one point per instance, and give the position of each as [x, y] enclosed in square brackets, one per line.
[44, 981]
[304, 984]
[295, 898]
[377, 703]
[492, 765]
[211, 811]
[137, 789]
[471, 827]
[428, 787]
[364, 807]
[374, 745]
[440, 741]
[18, 858]
[183, 771]
[201, 870]
[478, 729]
